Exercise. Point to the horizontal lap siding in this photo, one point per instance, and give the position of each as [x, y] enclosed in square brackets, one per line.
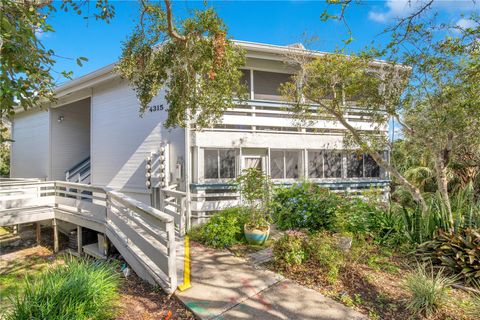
[30, 148]
[121, 139]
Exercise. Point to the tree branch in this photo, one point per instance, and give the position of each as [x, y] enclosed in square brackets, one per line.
[171, 29]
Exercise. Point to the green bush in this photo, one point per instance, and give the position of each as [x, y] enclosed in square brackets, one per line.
[289, 250]
[323, 250]
[224, 229]
[305, 206]
[428, 290]
[458, 253]
[80, 289]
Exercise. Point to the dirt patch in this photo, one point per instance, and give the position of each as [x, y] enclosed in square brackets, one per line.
[142, 301]
[373, 291]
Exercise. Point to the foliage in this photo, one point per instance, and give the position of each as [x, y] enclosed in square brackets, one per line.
[458, 253]
[428, 290]
[323, 250]
[196, 63]
[290, 250]
[305, 205]
[26, 65]
[80, 289]
[255, 190]
[224, 229]
[4, 153]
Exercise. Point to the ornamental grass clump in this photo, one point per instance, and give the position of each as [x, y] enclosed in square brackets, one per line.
[80, 289]
[428, 290]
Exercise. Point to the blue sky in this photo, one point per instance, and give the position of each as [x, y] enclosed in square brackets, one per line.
[275, 22]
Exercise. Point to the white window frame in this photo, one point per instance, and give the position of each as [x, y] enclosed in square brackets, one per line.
[300, 163]
[219, 179]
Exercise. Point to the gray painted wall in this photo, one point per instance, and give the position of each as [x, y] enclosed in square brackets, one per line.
[70, 138]
[30, 148]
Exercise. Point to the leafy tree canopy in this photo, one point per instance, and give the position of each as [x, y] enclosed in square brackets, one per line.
[195, 62]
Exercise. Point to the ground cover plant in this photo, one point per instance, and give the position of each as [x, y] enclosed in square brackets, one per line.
[77, 289]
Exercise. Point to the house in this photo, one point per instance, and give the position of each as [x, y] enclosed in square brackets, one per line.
[94, 134]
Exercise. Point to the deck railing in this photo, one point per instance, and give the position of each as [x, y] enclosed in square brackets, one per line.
[143, 235]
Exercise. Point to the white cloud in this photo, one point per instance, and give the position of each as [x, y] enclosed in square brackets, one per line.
[466, 23]
[395, 9]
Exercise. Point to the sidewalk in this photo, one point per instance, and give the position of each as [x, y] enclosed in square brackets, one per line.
[227, 287]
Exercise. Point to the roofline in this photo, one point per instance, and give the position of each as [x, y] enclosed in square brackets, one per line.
[106, 72]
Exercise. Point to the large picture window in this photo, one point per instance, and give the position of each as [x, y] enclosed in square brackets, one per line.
[284, 164]
[219, 163]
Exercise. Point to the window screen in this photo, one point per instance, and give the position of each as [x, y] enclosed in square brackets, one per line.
[372, 170]
[245, 80]
[211, 164]
[276, 164]
[315, 164]
[333, 164]
[267, 84]
[227, 164]
[219, 164]
[291, 164]
[354, 165]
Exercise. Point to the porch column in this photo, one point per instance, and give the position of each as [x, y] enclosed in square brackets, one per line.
[79, 240]
[55, 235]
[38, 233]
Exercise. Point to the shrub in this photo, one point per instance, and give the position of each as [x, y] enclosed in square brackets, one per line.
[224, 229]
[305, 206]
[80, 289]
[323, 250]
[289, 250]
[458, 253]
[428, 291]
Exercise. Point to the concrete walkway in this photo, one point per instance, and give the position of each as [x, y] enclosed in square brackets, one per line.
[227, 287]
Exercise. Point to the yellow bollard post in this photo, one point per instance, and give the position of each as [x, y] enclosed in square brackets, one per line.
[186, 267]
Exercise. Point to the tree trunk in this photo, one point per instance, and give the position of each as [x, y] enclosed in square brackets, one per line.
[413, 190]
[442, 183]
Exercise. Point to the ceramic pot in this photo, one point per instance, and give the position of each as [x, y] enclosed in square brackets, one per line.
[256, 236]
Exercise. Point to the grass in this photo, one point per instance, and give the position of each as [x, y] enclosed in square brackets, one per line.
[78, 289]
[428, 290]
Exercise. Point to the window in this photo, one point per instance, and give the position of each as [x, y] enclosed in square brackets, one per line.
[284, 164]
[315, 164]
[362, 166]
[324, 164]
[245, 80]
[219, 163]
[354, 165]
[266, 85]
[332, 164]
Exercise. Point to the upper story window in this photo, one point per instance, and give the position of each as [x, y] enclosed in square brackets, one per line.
[324, 164]
[285, 164]
[266, 85]
[219, 163]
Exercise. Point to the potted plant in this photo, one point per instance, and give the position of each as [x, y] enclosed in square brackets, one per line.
[255, 191]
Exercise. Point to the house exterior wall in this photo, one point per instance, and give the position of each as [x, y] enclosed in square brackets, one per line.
[121, 140]
[70, 137]
[30, 148]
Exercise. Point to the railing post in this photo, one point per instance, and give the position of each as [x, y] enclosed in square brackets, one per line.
[55, 235]
[172, 255]
[79, 240]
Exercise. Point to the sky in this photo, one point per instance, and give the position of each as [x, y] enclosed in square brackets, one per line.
[274, 22]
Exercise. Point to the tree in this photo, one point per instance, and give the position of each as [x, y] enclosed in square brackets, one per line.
[195, 62]
[27, 67]
[337, 82]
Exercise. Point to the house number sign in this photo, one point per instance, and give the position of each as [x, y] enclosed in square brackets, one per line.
[157, 107]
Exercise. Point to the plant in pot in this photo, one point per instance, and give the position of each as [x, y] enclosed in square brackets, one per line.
[255, 191]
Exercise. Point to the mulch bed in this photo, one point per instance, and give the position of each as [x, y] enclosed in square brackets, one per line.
[372, 291]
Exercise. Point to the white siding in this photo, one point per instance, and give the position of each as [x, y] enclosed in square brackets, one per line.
[121, 139]
[70, 138]
[30, 148]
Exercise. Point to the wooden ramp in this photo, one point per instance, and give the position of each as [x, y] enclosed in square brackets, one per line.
[143, 235]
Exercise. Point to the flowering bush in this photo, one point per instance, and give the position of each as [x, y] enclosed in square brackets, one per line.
[305, 206]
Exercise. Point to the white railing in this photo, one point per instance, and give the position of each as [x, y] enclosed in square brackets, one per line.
[143, 235]
[173, 202]
[80, 173]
